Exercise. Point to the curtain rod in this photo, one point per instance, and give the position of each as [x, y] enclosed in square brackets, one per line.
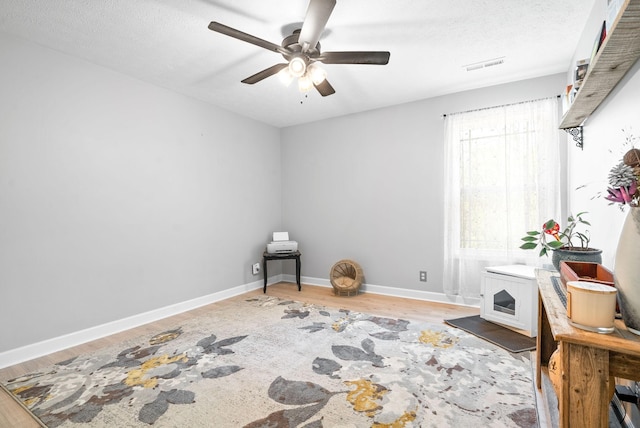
[503, 105]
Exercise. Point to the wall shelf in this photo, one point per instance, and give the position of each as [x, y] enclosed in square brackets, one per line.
[616, 56]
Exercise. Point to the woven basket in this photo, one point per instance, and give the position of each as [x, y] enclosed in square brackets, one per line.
[346, 277]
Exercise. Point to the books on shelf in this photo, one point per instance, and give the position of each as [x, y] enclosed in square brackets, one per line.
[580, 72]
[599, 41]
[571, 90]
[567, 98]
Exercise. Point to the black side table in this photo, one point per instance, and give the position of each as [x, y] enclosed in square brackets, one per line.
[280, 256]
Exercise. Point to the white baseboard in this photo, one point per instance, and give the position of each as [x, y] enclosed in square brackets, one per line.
[49, 346]
[35, 350]
[428, 296]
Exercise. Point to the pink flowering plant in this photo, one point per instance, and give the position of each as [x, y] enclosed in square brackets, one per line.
[623, 177]
[567, 238]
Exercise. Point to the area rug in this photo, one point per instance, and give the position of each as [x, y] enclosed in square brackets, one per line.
[266, 362]
[494, 333]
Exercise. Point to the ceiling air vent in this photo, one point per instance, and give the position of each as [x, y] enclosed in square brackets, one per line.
[484, 64]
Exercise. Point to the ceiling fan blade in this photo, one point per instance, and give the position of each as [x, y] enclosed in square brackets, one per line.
[237, 34]
[325, 88]
[315, 20]
[264, 73]
[374, 58]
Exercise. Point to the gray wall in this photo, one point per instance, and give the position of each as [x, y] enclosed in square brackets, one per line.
[118, 197]
[115, 195]
[370, 186]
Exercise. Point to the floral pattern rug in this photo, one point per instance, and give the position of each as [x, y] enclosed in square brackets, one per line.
[266, 362]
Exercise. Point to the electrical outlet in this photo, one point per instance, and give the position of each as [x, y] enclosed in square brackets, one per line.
[255, 268]
[423, 275]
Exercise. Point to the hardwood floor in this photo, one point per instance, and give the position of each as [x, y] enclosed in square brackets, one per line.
[12, 414]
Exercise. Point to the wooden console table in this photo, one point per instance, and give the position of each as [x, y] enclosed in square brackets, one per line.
[589, 361]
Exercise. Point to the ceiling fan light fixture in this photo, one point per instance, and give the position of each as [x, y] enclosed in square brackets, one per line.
[285, 76]
[305, 84]
[301, 50]
[317, 74]
[297, 66]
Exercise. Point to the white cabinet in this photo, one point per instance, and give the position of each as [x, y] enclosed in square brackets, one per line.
[509, 297]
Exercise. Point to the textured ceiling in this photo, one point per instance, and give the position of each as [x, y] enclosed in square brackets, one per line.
[167, 43]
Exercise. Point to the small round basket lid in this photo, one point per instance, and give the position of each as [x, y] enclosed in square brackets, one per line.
[591, 287]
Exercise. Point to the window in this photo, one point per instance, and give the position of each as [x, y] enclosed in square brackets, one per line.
[502, 176]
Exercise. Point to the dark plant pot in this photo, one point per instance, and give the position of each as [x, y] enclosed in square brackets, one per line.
[575, 254]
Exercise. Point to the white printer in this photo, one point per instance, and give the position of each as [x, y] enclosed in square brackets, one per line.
[281, 244]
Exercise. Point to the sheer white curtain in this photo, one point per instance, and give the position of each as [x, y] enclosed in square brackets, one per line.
[502, 179]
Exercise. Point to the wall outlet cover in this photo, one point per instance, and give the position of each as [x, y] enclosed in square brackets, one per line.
[256, 268]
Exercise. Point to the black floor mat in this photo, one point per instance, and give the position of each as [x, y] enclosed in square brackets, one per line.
[494, 333]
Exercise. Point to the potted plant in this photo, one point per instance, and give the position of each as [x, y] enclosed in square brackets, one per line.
[568, 244]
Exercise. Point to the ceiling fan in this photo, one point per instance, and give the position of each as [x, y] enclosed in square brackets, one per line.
[302, 50]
